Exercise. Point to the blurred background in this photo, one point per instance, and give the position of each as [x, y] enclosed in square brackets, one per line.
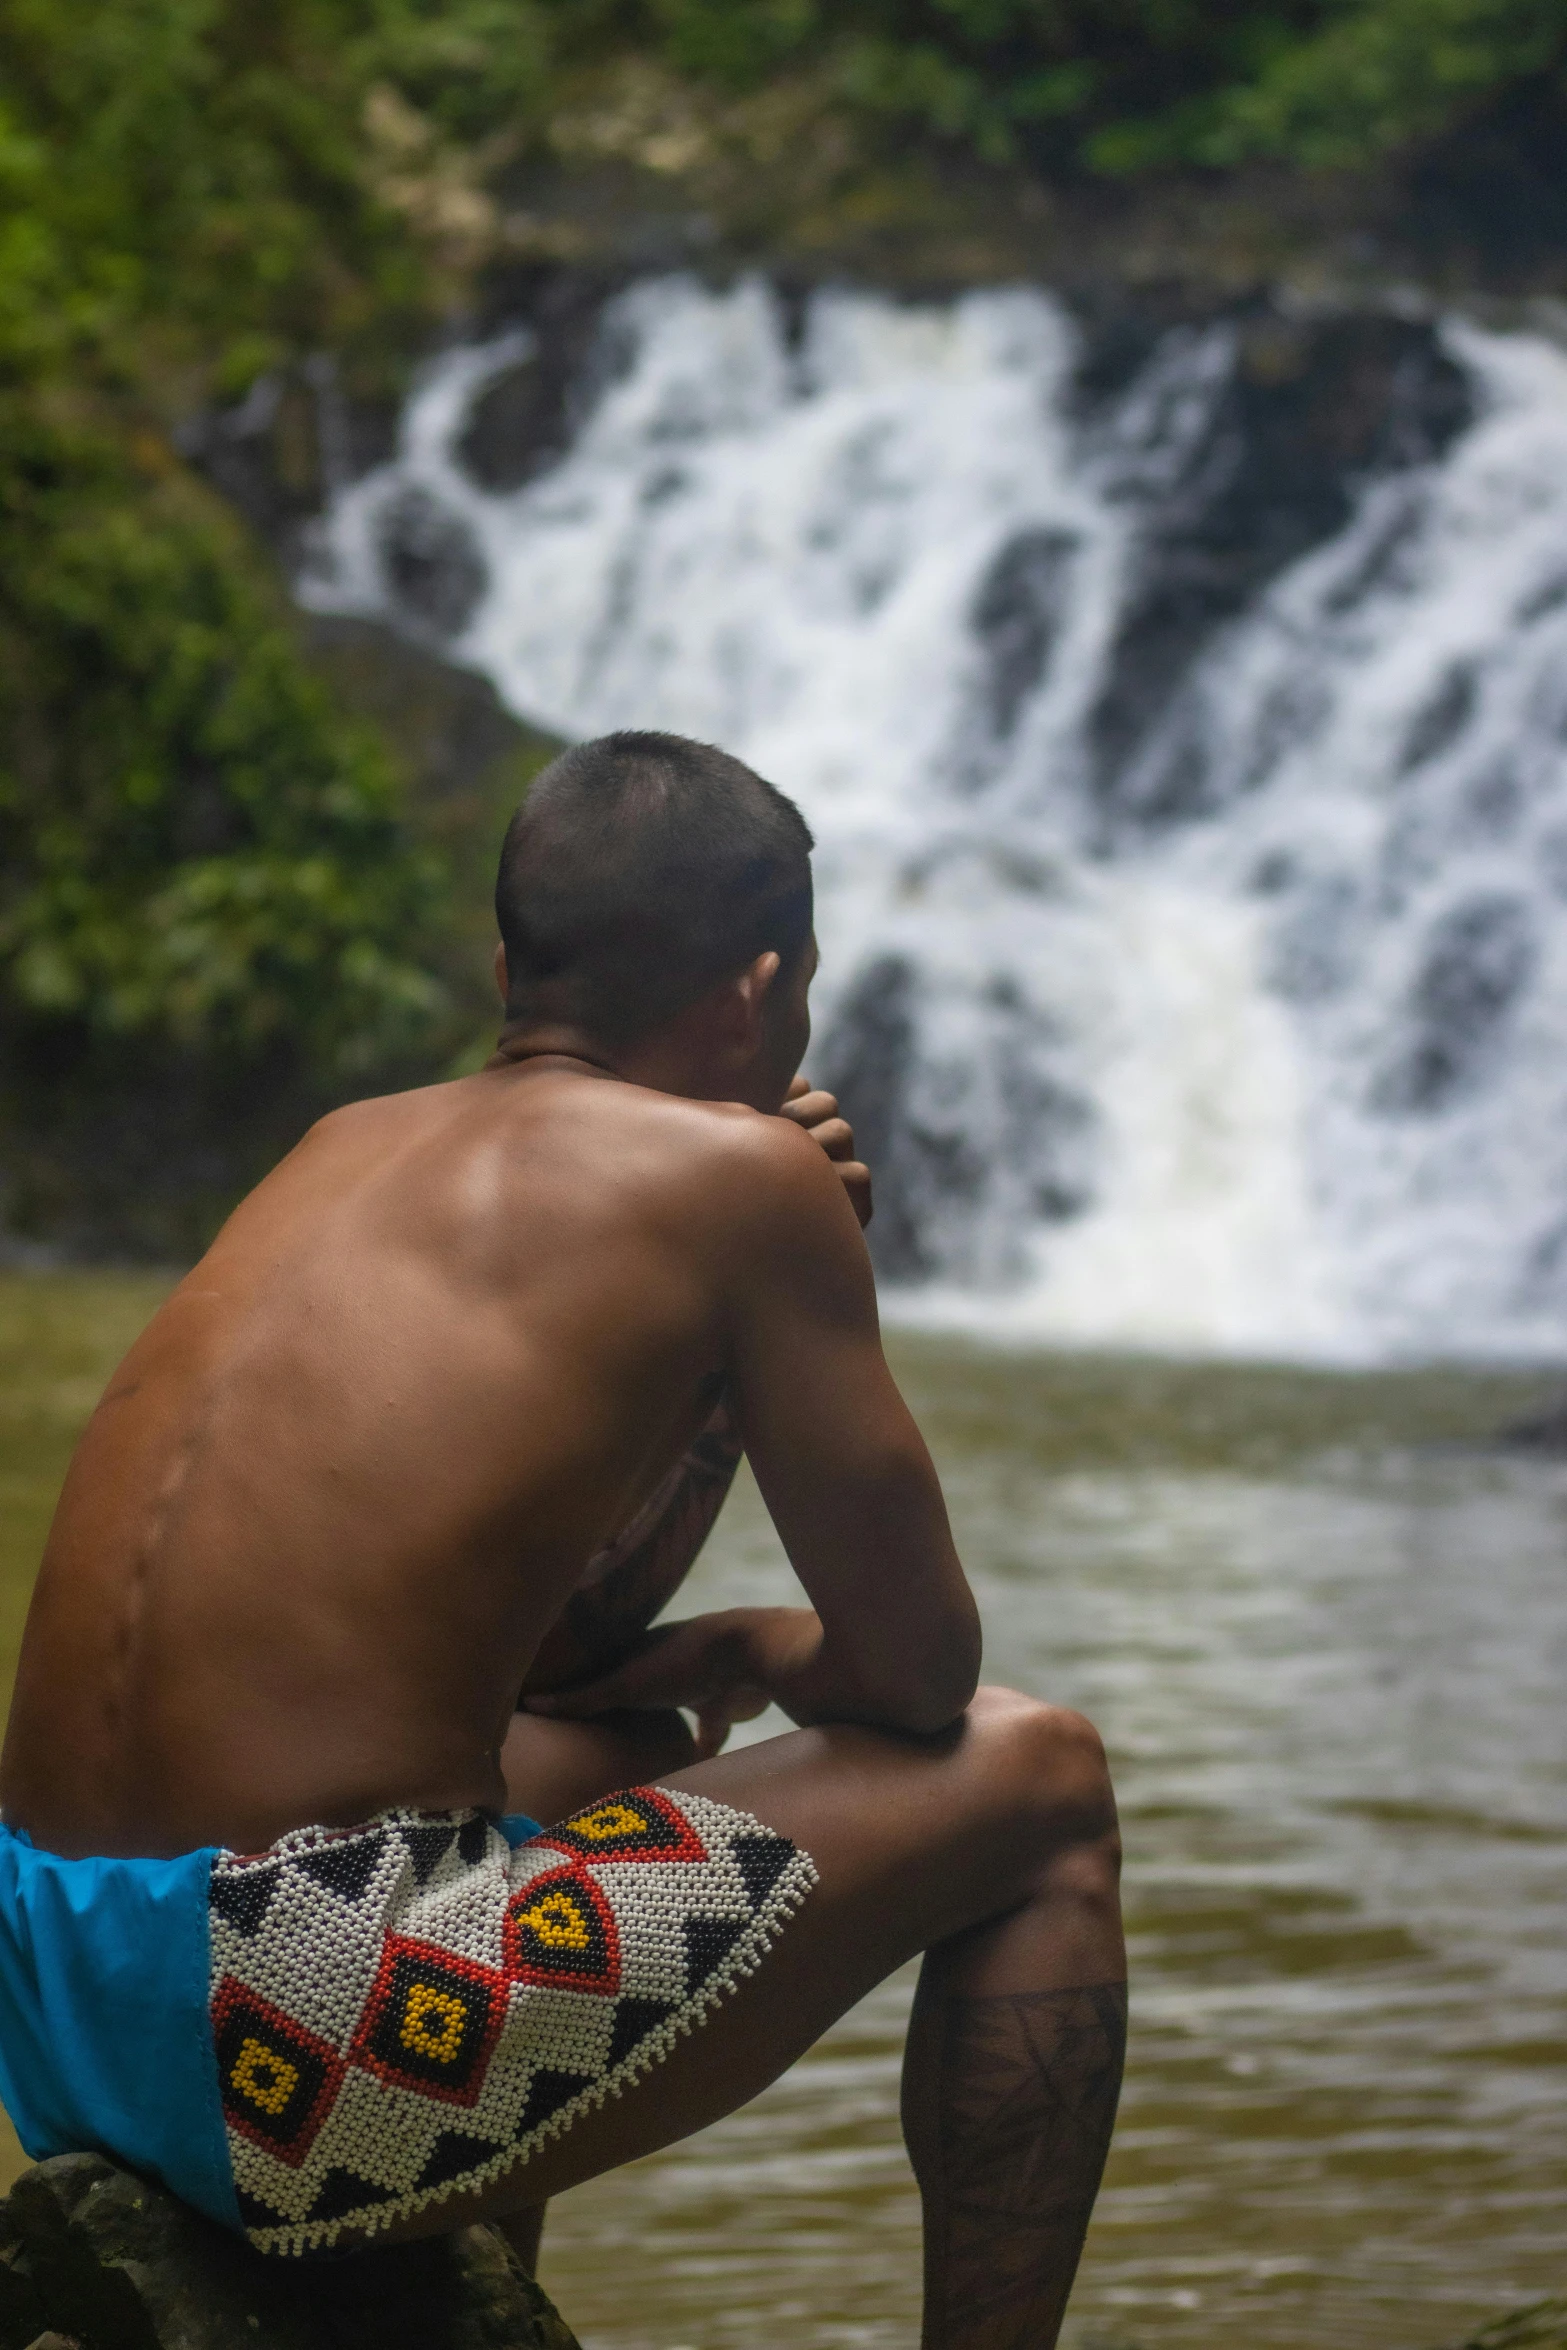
[1108, 460]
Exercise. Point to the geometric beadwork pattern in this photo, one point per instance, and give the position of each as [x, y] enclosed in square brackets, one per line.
[406, 2010]
[279, 2081]
[432, 2020]
[560, 1929]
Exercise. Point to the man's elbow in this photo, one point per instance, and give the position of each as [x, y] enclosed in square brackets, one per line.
[934, 1697]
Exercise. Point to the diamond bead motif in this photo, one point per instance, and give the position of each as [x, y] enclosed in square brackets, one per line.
[406, 2010]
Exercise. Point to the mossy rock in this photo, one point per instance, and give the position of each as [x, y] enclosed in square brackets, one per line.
[90, 2253]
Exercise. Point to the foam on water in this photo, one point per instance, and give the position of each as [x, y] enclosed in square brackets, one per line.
[1283, 1070]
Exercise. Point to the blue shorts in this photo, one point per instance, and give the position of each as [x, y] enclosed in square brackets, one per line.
[330, 2036]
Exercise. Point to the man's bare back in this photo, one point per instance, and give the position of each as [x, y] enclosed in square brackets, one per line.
[414, 1443]
[345, 1481]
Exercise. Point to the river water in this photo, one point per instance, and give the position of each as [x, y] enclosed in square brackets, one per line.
[1324, 1631]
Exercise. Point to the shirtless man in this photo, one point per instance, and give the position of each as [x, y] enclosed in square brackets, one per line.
[271, 1928]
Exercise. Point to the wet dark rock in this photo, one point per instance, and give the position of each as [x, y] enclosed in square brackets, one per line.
[1543, 603]
[1118, 337]
[96, 2256]
[1044, 1133]
[1300, 414]
[431, 562]
[1053, 1130]
[867, 1060]
[279, 454]
[1479, 958]
[1438, 725]
[1016, 615]
[516, 426]
[301, 434]
[1391, 559]
[525, 419]
[1543, 1431]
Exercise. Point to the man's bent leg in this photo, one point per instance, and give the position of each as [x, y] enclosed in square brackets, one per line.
[1009, 2099]
[993, 1848]
[555, 1768]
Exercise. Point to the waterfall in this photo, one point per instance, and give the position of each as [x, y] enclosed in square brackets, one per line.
[1182, 716]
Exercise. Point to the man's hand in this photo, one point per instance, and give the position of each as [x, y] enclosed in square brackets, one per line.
[818, 1114]
[724, 1668]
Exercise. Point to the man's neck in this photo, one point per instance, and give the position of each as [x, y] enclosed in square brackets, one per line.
[669, 1060]
[513, 1047]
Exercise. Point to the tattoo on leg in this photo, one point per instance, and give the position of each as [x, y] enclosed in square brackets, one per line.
[1026, 2103]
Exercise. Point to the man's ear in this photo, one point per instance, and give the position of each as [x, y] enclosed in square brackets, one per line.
[501, 979]
[749, 994]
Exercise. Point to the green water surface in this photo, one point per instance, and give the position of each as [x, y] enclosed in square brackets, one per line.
[1323, 1626]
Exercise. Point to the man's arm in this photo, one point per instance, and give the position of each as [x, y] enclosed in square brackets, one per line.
[629, 1582]
[893, 1635]
[625, 1585]
[845, 1475]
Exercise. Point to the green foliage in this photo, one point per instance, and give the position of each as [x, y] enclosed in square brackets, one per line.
[193, 844]
[214, 919]
[217, 177]
[195, 169]
[1374, 76]
[213, 922]
[1117, 85]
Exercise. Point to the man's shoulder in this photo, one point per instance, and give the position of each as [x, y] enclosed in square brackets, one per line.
[673, 1130]
[738, 1168]
[726, 1139]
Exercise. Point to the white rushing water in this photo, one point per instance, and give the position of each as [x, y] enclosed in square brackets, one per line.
[1248, 1035]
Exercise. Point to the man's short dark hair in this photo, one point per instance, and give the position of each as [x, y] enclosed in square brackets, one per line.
[640, 871]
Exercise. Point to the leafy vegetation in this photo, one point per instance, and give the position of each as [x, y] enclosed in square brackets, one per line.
[194, 842]
[235, 184]
[213, 917]
[211, 896]
[204, 868]
[1116, 85]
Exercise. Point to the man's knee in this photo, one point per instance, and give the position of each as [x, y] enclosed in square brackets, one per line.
[1047, 1768]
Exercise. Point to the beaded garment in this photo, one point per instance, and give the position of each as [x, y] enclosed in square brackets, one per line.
[408, 2009]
